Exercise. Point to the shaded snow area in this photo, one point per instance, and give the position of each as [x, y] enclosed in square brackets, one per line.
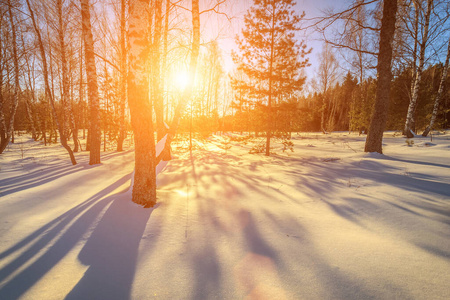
[326, 221]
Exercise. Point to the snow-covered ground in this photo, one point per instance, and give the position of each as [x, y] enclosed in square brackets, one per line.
[326, 221]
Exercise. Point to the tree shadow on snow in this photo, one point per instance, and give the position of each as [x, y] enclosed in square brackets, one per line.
[111, 250]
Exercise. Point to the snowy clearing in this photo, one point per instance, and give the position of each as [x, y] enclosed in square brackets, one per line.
[326, 221]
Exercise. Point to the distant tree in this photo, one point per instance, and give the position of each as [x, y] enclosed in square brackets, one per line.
[374, 139]
[269, 53]
[123, 74]
[327, 74]
[409, 130]
[439, 94]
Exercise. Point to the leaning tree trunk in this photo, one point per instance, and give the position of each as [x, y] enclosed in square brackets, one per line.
[380, 113]
[47, 84]
[144, 187]
[15, 103]
[439, 94]
[187, 93]
[410, 122]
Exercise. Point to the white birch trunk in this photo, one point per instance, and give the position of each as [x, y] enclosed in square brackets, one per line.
[91, 74]
[410, 122]
[439, 94]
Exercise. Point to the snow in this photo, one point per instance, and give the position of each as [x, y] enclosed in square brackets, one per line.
[326, 221]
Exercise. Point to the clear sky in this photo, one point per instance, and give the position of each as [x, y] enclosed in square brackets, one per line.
[226, 30]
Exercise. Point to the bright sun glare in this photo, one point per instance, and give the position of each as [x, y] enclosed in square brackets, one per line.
[181, 79]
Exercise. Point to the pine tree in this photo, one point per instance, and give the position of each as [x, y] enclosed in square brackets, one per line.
[269, 53]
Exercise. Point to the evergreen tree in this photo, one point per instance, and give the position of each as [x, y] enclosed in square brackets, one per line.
[269, 53]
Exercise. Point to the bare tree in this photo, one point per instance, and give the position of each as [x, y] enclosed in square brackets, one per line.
[439, 94]
[327, 75]
[48, 91]
[123, 74]
[410, 123]
[15, 103]
[379, 117]
[91, 73]
[144, 185]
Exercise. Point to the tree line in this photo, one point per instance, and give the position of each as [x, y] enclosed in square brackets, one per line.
[72, 71]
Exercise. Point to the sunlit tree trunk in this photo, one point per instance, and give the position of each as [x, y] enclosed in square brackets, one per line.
[157, 96]
[165, 49]
[416, 42]
[144, 187]
[123, 75]
[269, 103]
[409, 130]
[380, 113]
[91, 74]
[439, 94]
[67, 120]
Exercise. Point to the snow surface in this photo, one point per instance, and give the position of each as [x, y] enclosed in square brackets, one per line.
[326, 221]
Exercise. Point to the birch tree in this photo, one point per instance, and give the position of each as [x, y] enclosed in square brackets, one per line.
[9, 129]
[123, 74]
[48, 91]
[187, 93]
[91, 74]
[144, 185]
[410, 122]
[439, 94]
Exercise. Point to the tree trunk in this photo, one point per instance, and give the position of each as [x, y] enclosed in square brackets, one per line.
[47, 85]
[67, 113]
[123, 75]
[156, 72]
[187, 93]
[374, 139]
[409, 130]
[144, 187]
[2, 116]
[439, 94]
[269, 104]
[15, 103]
[91, 74]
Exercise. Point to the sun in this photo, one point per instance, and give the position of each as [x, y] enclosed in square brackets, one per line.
[181, 79]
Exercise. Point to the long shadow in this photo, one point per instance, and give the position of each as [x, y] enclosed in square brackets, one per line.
[36, 178]
[111, 252]
[417, 162]
[84, 215]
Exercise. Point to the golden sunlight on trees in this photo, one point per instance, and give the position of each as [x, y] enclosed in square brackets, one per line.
[270, 56]
[115, 75]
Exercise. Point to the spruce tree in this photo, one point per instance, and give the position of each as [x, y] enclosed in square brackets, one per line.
[269, 53]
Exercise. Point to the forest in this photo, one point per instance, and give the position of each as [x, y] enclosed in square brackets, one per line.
[102, 71]
[224, 149]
